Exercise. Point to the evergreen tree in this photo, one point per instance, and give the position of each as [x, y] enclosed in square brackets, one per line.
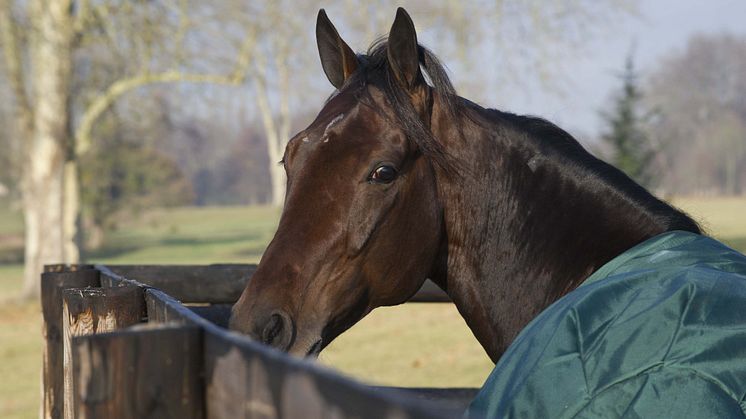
[625, 133]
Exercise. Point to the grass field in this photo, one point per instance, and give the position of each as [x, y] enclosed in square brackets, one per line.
[409, 345]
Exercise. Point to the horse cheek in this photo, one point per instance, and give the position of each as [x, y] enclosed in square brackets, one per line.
[366, 216]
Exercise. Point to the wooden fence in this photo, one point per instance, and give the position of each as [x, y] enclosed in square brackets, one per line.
[150, 342]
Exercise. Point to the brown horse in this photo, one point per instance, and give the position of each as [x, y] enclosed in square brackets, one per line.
[398, 180]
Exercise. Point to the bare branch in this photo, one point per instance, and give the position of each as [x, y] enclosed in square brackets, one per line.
[14, 62]
[122, 86]
[83, 16]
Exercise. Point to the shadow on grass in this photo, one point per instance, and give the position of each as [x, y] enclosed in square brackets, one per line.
[117, 248]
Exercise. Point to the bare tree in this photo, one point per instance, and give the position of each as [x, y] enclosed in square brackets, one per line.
[41, 123]
[699, 95]
[52, 32]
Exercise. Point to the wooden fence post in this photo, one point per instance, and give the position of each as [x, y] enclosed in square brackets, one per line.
[143, 372]
[88, 311]
[54, 280]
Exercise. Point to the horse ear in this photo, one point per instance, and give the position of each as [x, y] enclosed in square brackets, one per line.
[337, 58]
[403, 51]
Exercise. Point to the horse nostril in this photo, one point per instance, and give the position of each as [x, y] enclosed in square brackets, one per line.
[272, 329]
[278, 331]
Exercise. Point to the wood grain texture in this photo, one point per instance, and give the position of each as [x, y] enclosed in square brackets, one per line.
[54, 281]
[220, 284]
[243, 382]
[185, 364]
[146, 371]
[87, 311]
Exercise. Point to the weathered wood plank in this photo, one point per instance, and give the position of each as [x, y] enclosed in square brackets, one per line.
[86, 311]
[247, 380]
[54, 280]
[146, 371]
[63, 267]
[452, 400]
[163, 308]
[218, 314]
[218, 284]
[236, 377]
[192, 283]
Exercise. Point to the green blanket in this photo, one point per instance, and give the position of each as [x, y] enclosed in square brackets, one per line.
[658, 332]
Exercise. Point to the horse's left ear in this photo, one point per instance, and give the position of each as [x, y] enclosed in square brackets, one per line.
[337, 58]
[403, 51]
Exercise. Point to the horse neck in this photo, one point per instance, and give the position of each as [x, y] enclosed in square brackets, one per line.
[529, 218]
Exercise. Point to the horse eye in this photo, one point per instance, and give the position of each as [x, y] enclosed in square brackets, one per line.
[383, 174]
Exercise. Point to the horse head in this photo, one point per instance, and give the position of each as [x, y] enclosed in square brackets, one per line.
[361, 224]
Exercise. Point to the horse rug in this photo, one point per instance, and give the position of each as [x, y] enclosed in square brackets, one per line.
[657, 332]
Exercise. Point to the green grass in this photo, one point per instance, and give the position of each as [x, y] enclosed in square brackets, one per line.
[191, 235]
[416, 344]
[409, 345]
[11, 221]
[724, 218]
[20, 356]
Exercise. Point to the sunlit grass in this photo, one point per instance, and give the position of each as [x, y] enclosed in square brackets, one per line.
[20, 359]
[724, 218]
[191, 235]
[11, 220]
[417, 345]
[409, 345]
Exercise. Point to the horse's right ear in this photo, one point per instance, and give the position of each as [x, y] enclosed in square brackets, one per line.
[337, 58]
[403, 50]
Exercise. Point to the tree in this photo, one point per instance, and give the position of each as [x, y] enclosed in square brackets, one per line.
[699, 94]
[625, 133]
[7, 160]
[41, 123]
[125, 172]
[41, 81]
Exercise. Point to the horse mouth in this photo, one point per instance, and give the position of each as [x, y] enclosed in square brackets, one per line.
[315, 349]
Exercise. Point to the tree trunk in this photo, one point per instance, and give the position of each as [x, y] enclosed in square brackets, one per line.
[42, 204]
[43, 174]
[277, 176]
[273, 134]
[71, 240]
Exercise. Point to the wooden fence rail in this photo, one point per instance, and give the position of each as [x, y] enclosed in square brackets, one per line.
[120, 343]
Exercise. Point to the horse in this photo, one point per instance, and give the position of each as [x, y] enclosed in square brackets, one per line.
[399, 179]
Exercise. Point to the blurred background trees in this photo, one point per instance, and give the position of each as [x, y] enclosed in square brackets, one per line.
[66, 63]
[699, 127]
[625, 134]
[109, 106]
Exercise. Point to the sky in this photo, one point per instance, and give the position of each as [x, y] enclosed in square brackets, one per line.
[661, 28]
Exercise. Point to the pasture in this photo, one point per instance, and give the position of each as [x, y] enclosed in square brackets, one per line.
[411, 345]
